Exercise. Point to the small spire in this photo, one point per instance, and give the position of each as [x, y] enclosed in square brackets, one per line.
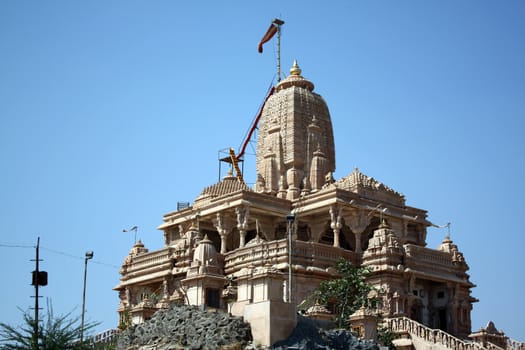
[383, 224]
[205, 239]
[295, 70]
[447, 240]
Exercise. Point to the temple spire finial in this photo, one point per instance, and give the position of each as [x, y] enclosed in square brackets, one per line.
[295, 70]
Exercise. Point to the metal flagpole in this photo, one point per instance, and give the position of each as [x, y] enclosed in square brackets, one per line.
[278, 22]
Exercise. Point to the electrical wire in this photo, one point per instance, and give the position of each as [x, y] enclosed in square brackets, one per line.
[78, 257]
[16, 245]
[22, 245]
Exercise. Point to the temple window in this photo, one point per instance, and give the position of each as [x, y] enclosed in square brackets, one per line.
[412, 234]
[369, 232]
[302, 233]
[212, 298]
[250, 234]
[327, 237]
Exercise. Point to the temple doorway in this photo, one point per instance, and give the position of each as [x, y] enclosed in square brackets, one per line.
[442, 319]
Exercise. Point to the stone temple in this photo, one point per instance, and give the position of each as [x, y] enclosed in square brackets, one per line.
[258, 252]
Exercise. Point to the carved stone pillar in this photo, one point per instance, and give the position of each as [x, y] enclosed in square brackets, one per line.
[452, 307]
[397, 303]
[358, 221]
[335, 225]
[224, 225]
[242, 224]
[128, 296]
[410, 296]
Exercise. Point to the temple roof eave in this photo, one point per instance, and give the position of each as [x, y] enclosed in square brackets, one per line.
[438, 278]
[144, 279]
[368, 186]
[320, 201]
[268, 204]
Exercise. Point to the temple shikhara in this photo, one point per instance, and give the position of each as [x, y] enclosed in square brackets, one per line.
[259, 250]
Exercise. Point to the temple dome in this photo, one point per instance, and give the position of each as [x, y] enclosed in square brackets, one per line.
[228, 185]
[138, 248]
[205, 253]
[295, 126]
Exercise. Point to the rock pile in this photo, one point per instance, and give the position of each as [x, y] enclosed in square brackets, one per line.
[190, 327]
[313, 335]
[187, 327]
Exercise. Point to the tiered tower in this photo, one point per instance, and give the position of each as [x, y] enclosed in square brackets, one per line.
[295, 148]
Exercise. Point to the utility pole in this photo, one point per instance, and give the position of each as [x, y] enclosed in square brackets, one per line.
[39, 278]
[37, 259]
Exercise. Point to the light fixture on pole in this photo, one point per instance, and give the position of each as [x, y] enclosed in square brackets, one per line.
[135, 229]
[290, 219]
[89, 255]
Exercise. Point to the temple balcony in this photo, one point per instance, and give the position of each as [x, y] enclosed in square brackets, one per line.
[434, 264]
[147, 267]
[309, 256]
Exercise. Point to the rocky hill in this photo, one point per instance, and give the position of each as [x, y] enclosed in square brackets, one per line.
[189, 327]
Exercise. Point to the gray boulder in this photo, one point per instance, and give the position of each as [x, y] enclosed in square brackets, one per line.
[186, 327]
[314, 335]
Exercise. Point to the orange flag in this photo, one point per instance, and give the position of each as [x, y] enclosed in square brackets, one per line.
[269, 34]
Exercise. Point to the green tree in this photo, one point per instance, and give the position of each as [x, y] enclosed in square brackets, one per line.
[347, 293]
[55, 333]
[386, 337]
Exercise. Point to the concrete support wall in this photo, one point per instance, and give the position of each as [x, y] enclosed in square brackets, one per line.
[270, 321]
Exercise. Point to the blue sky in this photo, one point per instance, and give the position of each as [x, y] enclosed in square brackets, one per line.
[113, 111]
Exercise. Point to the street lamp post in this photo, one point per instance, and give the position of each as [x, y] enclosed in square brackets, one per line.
[89, 255]
[290, 219]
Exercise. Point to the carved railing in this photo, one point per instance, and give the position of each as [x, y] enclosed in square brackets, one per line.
[515, 345]
[319, 255]
[308, 254]
[434, 336]
[274, 252]
[429, 256]
[150, 259]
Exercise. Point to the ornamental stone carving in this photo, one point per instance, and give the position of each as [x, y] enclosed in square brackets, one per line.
[358, 221]
[335, 223]
[224, 225]
[242, 223]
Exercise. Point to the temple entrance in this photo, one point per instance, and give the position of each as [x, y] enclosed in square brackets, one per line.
[442, 319]
[416, 312]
